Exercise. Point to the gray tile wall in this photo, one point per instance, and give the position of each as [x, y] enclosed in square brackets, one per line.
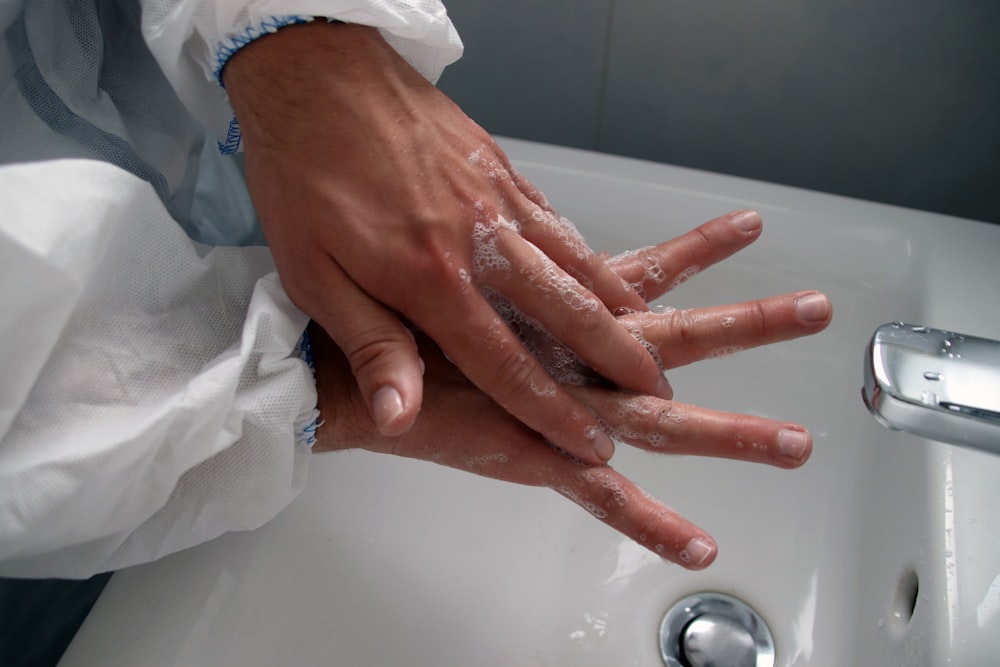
[890, 100]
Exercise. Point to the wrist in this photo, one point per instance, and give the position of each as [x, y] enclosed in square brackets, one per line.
[344, 420]
[308, 73]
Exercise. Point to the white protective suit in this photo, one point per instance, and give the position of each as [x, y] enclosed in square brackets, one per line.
[154, 389]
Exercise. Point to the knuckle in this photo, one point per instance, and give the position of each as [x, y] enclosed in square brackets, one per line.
[442, 270]
[605, 490]
[758, 317]
[700, 245]
[515, 374]
[587, 325]
[681, 327]
[439, 267]
[368, 352]
[635, 363]
[668, 417]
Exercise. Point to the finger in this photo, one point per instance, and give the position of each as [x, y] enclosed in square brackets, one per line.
[546, 295]
[496, 445]
[559, 239]
[486, 350]
[379, 348]
[616, 501]
[677, 428]
[658, 269]
[686, 336]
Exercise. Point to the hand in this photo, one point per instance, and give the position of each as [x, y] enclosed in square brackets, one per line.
[655, 270]
[463, 428]
[380, 199]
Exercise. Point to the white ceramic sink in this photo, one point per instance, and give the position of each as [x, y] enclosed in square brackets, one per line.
[883, 550]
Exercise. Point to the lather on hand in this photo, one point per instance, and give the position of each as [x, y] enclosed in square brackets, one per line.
[463, 428]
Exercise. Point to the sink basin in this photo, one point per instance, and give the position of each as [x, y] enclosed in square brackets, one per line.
[884, 549]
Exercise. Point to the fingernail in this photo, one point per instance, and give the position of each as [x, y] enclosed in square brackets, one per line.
[663, 388]
[387, 406]
[603, 446]
[793, 444]
[745, 221]
[812, 308]
[698, 552]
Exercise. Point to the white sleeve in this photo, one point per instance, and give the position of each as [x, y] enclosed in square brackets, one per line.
[192, 39]
[154, 391]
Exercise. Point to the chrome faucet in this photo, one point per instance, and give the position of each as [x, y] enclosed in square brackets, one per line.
[936, 384]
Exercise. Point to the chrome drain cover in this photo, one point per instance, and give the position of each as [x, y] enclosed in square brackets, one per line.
[715, 629]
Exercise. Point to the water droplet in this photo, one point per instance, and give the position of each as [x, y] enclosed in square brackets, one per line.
[932, 376]
[919, 329]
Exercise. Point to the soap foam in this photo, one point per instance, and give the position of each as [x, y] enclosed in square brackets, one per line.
[561, 363]
[634, 327]
[553, 281]
[723, 352]
[566, 231]
[654, 272]
[607, 482]
[485, 254]
[647, 256]
[494, 169]
[685, 275]
[547, 390]
[593, 508]
[481, 461]
[558, 360]
[652, 414]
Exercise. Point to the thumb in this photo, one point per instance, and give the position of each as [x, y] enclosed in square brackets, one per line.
[380, 349]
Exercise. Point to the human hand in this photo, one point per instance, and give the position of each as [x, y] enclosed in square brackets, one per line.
[463, 428]
[381, 200]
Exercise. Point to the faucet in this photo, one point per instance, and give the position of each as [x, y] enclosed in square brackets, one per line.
[936, 384]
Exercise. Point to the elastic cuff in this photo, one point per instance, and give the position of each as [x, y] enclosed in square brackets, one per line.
[305, 351]
[306, 435]
[268, 26]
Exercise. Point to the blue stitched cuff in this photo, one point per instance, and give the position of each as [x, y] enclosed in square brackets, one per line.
[305, 351]
[306, 437]
[307, 434]
[228, 49]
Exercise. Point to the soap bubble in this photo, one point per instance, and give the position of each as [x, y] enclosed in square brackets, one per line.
[684, 276]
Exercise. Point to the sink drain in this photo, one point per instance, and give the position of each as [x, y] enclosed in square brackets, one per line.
[714, 629]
